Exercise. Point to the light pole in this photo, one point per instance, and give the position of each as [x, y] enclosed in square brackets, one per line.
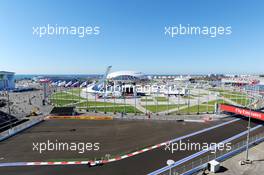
[95, 103]
[7, 93]
[168, 98]
[189, 98]
[247, 161]
[156, 102]
[135, 98]
[169, 163]
[124, 98]
[105, 86]
[146, 104]
[178, 112]
[208, 101]
[87, 96]
[8, 102]
[198, 106]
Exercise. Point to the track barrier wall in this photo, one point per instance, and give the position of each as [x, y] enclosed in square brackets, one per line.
[12, 131]
[82, 117]
[242, 111]
[194, 166]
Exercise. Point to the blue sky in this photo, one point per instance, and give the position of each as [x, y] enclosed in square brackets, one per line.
[132, 36]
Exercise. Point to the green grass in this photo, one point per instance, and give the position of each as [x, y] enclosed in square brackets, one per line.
[144, 99]
[219, 101]
[218, 90]
[228, 93]
[232, 95]
[75, 91]
[194, 109]
[236, 97]
[188, 97]
[161, 98]
[241, 101]
[62, 102]
[196, 95]
[118, 109]
[65, 95]
[97, 103]
[159, 108]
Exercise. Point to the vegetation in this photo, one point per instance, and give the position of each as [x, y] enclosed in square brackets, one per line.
[146, 99]
[62, 102]
[65, 95]
[159, 108]
[118, 109]
[194, 109]
[161, 99]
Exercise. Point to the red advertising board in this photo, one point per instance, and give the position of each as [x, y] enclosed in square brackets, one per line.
[242, 111]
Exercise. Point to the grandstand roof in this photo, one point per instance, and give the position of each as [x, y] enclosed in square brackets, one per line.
[126, 76]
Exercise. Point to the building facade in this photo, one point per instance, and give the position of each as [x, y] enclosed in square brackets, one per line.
[7, 80]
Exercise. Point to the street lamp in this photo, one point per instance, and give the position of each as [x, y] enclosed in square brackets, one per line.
[135, 99]
[247, 161]
[169, 163]
[105, 86]
[168, 96]
[198, 110]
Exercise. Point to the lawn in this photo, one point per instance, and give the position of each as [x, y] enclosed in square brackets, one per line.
[237, 97]
[194, 109]
[241, 101]
[159, 108]
[161, 98]
[65, 95]
[75, 91]
[232, 95]
[62, 102]
[97, 103]
[218, 90]
[187, 97]
[146, 99]
[118, 109]
[219, 101]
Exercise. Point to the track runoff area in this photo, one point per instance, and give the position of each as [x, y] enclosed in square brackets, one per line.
[151, 159]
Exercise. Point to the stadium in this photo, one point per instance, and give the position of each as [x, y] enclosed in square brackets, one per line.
[131, 88]
[101, 124]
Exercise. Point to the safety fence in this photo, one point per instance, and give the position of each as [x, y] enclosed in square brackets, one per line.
[202, 162]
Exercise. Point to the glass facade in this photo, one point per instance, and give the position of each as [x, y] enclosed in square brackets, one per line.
[7, 81]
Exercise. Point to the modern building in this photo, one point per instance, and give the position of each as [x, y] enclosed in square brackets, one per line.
[126, 76]
[7, 80]
[240, 80]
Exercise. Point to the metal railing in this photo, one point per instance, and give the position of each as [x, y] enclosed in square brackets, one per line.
[200, 163]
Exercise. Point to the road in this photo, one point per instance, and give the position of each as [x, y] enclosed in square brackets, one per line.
[140, 164]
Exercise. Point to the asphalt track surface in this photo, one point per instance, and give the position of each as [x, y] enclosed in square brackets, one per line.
[115, 137]
[139, 164]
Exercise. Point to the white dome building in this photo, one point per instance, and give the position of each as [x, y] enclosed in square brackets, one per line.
[126, 76]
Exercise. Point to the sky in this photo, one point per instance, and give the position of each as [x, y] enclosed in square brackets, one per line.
[132, 37]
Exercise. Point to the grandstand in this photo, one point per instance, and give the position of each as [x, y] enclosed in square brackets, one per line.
[7, 121]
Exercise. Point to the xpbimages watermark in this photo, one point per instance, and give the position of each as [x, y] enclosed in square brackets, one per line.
[209, 31]
[80, 147]
[192, 146]
[57, 30]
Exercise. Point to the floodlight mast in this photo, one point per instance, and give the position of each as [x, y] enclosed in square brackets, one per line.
[247, 161]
